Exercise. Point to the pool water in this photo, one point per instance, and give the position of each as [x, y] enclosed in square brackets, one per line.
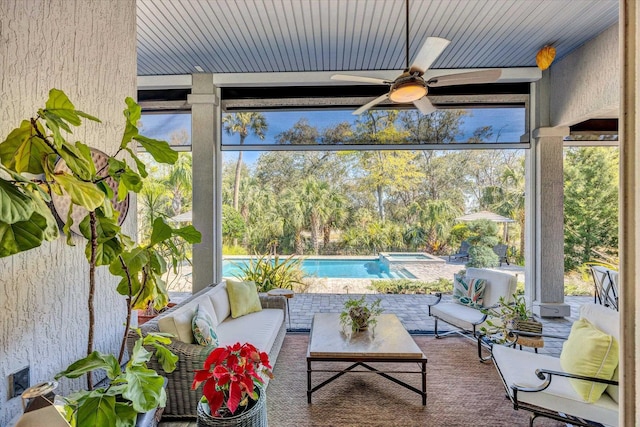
[370, 268]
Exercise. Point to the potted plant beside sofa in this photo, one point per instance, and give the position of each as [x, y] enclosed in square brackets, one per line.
[232, 390]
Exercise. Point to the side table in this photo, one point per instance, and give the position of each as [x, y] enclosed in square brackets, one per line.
[288, 294]
[488, 340]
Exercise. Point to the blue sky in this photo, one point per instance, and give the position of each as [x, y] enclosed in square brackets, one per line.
[509, 121]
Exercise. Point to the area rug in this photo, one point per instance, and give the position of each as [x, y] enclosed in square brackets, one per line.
[461, 391]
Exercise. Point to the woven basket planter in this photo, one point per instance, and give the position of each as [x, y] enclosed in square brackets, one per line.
[531, 326]
[255, 416]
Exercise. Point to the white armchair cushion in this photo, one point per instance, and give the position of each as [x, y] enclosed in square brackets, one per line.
[499, 284]
[458, 315]
[518, 368]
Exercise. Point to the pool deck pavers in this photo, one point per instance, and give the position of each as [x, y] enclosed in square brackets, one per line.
[412, 310]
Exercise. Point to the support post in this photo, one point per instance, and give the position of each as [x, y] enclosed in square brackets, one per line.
[207, 211]
[549, 224]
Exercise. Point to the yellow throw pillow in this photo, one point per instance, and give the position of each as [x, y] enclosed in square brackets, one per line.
[243, 298]
[590, 352]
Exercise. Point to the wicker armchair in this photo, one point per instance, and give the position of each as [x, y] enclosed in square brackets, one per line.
[182, 401]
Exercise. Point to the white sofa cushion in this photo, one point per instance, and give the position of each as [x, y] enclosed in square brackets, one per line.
[499, 283]
[260, 329]
[518, 368]
[178, 322]
[220, 300]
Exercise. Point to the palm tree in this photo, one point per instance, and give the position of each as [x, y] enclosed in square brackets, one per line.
[314, 198]
[243, 124]
[179, 181]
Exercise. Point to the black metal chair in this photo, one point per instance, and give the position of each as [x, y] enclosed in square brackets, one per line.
[463, 252]
[501, 251]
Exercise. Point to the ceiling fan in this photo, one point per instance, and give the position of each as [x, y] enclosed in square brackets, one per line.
[410, 86]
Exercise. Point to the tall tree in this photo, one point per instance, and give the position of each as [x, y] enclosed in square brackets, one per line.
[384, 170]
[243, 124]
[590, 204]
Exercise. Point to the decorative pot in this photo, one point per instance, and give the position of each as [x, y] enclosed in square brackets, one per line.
[254, 416]
[531, 326]
[359, 317]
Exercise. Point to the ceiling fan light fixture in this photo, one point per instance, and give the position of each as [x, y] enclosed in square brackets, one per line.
[407, 92]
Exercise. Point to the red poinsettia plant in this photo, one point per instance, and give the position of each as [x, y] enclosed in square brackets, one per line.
[230, 377]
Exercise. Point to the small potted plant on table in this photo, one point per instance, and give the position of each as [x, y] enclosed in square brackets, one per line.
[359, 314]
[232, 391]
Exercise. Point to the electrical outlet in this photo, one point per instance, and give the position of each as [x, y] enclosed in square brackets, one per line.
[19, 382]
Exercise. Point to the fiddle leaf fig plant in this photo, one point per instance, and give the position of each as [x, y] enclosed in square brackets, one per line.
[136, 389]
[30, 178]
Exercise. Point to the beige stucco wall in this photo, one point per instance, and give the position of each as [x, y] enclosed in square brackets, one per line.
[586, 83]
[87, 49]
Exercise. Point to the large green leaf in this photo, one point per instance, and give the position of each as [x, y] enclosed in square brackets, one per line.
[22, 236]
[15, 205]
[60, 105]
[129, 181]
[51, 231]
[123, 287]
[166, 358]
[23, 151]
[109, 246]
[188, 233]
[161, 231]
[77, 161]
[148, 293]
[14, 141]
[132, 113]
[142, 168]
[85, 194]
[161, 151]
[133, 259]
[145, 389]
[157, 262]
[97, 410]
[106, 251]
[95, 360]
[140, 355]
[125, 415]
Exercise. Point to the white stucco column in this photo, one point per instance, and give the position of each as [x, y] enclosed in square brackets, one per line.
[549, 223]
[207, 205]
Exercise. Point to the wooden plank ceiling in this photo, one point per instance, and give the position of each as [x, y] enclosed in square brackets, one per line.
[234, 36]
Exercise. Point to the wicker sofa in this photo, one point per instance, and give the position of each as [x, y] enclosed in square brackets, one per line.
[264, 329]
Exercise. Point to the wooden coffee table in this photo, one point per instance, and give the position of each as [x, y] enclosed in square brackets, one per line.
[388, 341]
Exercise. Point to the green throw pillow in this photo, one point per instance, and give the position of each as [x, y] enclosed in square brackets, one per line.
[203, 329]
[590, 352]
[468, 291]
[243, 298]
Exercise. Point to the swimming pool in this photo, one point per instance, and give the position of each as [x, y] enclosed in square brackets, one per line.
[360, 268]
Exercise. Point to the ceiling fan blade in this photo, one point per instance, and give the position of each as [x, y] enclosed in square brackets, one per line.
[472, 77]
[424, 105]
[362, 79]
[373, 103]
[428, 53]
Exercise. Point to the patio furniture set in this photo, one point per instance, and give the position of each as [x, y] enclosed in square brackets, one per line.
[527, 376]
[501, 250]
